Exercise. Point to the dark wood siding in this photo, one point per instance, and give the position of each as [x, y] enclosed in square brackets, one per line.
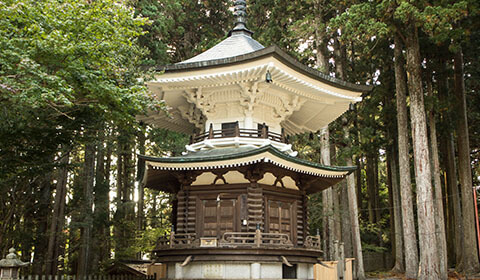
[211, 210]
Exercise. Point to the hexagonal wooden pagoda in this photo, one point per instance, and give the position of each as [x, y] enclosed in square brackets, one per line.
[240, 208]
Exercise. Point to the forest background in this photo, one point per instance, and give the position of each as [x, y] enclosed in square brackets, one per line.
[71, 85]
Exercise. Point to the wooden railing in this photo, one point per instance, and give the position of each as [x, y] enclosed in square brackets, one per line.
[313, 242]
[239, 132]
[276, 239]
[229, 239]
[177, 240]
[238, 239]
[255, 239]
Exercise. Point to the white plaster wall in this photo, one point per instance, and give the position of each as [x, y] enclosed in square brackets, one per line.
[192, 270]
[212, 271]
[303, 271]
[234, 270]
[271, 271]
[237, 271]
[171, 271]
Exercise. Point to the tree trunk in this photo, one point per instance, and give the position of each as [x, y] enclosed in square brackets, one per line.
[58, 218]
[42, 209]
[320, 39]
[397, 214]
[59, 249]
[101, 230]
[84, 259]
[340, 59]
[337, 220]
[455, 224]
[410, 240]
[438, 205]
[454, 198]
[370, 173]
[346, 221]
[388, 161]
[470, 256]
[327, 197]
[353, 209]
[358, 184]
[141, 195]
[118, 232]
[378, 212]
[428, 268]
[106, 176]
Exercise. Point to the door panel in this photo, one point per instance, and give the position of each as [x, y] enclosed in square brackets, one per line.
[209, 218]
[279, 217]
[226, 216]
[218, 217]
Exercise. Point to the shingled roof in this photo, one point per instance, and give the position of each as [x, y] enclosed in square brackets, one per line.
[236, 44]
[156, 172]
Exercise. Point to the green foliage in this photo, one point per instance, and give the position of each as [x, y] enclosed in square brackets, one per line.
[65, 66]
[181, 29]
[54, 57]
[147, 239]
[165, 142]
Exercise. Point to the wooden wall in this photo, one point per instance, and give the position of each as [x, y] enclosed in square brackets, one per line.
[250, 205]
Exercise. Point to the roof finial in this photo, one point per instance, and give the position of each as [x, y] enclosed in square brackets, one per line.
[240, 13]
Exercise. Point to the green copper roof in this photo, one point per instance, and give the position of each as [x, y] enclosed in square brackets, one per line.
[240, 152]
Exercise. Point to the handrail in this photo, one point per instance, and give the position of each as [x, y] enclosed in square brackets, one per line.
[313, 242]
[255, 239]
[258, 239]
[177, 240]
[241, 132]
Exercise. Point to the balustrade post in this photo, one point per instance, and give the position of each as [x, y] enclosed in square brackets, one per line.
[282, 136]
[172, 238]
[264, 131]
[237, 130]
[319, 240]
[258, 236]
[210, 131]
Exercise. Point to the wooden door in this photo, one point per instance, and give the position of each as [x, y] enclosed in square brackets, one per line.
[210, 213]
[279, 218]
[217, 217]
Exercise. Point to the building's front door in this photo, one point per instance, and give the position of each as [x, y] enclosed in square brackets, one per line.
[218, 217]
[279, 218]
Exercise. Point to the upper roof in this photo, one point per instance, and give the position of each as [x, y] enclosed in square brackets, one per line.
[273, 50]
[239, 46]
[238, 43]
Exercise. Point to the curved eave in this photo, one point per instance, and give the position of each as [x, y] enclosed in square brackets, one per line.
[163, 167]
[269, 51]
[218, 159]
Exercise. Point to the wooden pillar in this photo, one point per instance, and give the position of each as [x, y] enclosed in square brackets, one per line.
[306, 228]
[264, 131]
[237, 129]
[185, 213]
[255, 207]
[283, 138]
[210, 131]
[181, 208]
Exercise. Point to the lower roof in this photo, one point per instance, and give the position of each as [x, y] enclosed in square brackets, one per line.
[159, 172]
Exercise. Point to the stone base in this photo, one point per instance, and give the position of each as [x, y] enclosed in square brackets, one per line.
[236, 270]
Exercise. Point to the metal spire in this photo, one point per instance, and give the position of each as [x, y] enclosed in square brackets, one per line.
[240, 13]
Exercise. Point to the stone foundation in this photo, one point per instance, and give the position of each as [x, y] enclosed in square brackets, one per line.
[236, 270]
